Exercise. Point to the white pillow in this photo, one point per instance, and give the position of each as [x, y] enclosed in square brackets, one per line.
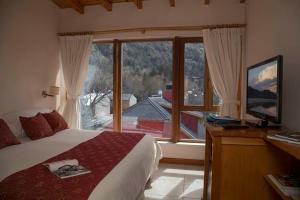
[12, 119]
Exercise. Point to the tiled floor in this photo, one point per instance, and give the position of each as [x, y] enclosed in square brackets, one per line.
[176, 182]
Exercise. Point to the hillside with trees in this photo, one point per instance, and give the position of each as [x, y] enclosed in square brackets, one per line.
[146, 65]
[146, 69]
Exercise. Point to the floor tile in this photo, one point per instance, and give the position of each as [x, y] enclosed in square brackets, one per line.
[194, 167]
[194, 171]
[193, 188]
[174, 166]
[159, 197]
[166, 186]
[176, 182]
[169, 170]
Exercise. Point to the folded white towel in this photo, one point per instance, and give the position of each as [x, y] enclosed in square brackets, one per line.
[55, 165]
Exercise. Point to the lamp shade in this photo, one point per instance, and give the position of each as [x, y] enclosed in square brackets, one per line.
[53, 90]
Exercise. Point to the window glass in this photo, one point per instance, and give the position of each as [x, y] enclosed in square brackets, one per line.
[96, 101]
[147, 87]
[192, 125]
[147, 90]
[194, 71]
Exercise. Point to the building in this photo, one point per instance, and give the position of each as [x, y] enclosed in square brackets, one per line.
[128, 100]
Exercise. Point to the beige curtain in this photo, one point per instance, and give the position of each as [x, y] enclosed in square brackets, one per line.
[223, 49]
[75, 53]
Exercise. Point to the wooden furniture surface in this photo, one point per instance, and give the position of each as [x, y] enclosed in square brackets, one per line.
[283, 196]
[292, 149]
[236, 162]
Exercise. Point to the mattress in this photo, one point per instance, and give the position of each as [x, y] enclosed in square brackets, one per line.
[126, 181]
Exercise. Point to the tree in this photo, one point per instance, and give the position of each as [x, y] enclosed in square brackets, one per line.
[146, 68]
[98, 84]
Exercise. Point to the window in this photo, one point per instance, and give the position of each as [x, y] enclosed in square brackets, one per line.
[96, 99]
[197, 97]
[158, 87]
[146, 87]
[194, 71]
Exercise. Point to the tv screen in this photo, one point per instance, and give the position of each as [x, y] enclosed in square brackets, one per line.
[264, 90]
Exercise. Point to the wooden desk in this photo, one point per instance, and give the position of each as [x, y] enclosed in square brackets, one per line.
[236, 162]
[294, 151]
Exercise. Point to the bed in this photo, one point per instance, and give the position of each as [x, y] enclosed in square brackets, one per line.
[126, 180]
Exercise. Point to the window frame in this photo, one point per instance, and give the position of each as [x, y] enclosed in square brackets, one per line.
[177, 85]
[118, 77]
[208, 88]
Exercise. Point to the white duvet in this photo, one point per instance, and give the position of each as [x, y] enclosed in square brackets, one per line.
[125, 182]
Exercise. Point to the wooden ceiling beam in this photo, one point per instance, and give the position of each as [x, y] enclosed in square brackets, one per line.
[138, 3]
[106, 4]
[76, 5]
[172, 3]
[60, 3]
[206, 2]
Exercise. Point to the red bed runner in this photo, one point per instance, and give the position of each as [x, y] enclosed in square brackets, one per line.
[100, 155]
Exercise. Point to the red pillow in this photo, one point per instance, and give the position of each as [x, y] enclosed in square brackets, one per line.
[56, 121]
[7, 138]
[36, 127]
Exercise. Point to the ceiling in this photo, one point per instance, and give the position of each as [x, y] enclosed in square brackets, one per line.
[79, 5]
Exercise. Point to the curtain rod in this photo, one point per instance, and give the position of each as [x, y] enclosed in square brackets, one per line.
[147, 29]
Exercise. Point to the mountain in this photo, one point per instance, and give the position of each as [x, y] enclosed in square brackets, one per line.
[267, 84]
[146, 67]
[265, 94]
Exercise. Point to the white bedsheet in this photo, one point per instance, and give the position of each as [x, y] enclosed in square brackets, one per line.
[125, 182]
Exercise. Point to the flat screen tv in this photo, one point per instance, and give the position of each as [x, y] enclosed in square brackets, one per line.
[264, 89]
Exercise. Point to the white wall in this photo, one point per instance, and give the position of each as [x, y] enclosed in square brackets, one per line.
[29, 54]
[273, 27]
[154, 13]
[183, 150]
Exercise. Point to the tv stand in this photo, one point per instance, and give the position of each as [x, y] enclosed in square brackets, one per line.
[236, 161]
[264, 124]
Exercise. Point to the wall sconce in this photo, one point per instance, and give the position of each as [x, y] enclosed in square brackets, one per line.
[53, 91]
